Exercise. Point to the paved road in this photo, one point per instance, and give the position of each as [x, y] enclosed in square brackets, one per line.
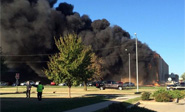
[97, 106]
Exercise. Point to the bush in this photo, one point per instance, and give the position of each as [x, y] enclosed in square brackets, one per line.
[163, 97]
[145, 96]
[158, 92]
[177, 94]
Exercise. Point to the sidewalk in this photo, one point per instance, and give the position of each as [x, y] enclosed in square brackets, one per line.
[97, 106]
[164, 106]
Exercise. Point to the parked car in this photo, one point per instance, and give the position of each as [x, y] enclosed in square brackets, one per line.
[52, 83]
[62, 84]
[81, 84]
[171, 86]
[126, 84]
[180, 86]
[98, 84]
[2, 83]
[90, 84]
[24, 83]
[37, 82]
[120, 82]
[15, 84]
[110, 85]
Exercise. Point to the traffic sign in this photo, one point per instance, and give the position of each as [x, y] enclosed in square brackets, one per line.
[17, 75]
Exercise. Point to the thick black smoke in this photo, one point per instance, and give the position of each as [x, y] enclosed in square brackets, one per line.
[28, 28]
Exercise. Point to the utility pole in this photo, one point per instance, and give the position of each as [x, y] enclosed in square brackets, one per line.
[129, 68]
[136, 64]
[1, 59]
[129, 71]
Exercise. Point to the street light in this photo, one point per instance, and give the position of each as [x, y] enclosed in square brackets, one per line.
[136, 63]
[129, 67]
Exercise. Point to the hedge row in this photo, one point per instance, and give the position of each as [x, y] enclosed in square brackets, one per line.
[163, 95]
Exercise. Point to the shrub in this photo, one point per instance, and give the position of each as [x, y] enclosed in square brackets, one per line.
[158, 92]
[177, 94]
[145, 96]
[163, 97]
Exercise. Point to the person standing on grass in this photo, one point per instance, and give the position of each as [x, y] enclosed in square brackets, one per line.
[40, 88]
[28, 89]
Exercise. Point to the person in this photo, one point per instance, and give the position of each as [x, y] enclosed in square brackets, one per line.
[40, 88]
[28, 89]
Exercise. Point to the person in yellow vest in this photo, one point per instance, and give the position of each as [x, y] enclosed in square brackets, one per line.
[40, 88]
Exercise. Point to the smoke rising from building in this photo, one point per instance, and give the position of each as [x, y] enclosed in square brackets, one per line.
[28, 28]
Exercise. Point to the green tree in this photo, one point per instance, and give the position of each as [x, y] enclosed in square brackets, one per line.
[85, 71]
[183, 76]
[71, 63]
[92, 69]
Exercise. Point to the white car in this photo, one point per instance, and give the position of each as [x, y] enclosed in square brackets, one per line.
[37, 82]
[62, 84]
[24, 83]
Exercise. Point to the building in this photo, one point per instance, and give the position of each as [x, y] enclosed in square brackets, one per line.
[163, 70]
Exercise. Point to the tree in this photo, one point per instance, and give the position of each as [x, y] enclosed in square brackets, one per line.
[183, 76]
[71, 63]
[85, 71]
[97, 64]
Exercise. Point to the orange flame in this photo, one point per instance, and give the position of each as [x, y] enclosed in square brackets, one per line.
[156, 84]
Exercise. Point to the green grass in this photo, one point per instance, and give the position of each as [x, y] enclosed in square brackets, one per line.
[122, 107]
[125, 103]
[47, 105]
[11, 102]
[131, 101]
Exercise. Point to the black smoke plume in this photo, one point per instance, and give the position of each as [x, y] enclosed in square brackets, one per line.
[28, 28]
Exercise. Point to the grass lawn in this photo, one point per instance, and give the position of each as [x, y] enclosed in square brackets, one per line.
[125, 103]
[78, 90]
[47, 104]
[55, 98]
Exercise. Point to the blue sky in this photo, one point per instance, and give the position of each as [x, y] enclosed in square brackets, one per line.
[158, 23]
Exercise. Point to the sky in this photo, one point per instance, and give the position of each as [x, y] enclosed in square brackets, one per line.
[158, 23]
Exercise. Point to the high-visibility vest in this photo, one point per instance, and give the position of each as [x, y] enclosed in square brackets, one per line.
[40, 88]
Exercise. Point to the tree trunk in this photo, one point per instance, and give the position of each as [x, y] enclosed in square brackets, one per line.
[85, 85]
[69, 93]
